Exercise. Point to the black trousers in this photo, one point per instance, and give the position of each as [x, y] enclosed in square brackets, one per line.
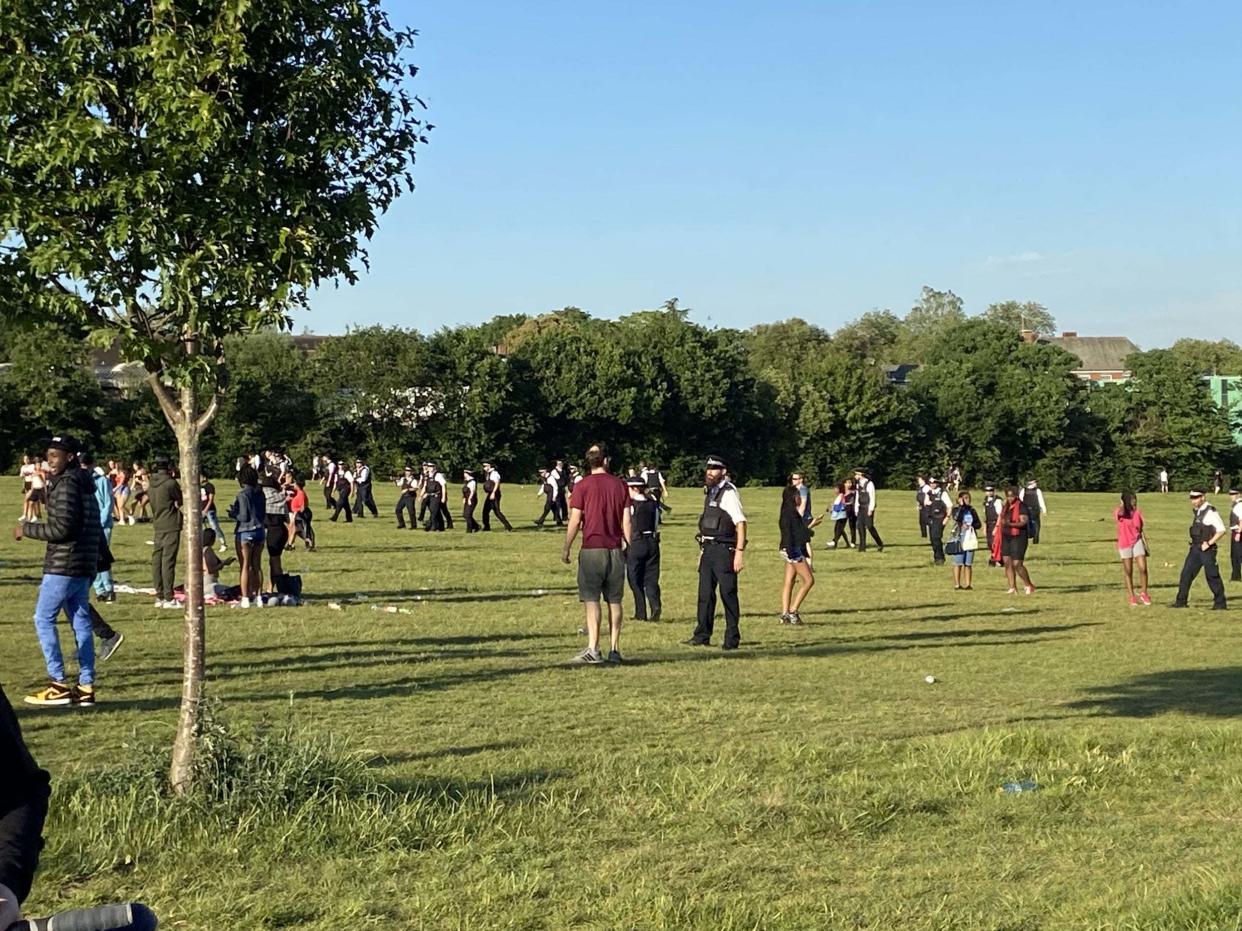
[422, 508]
[342, 505]
[935, 535]
[838, 531]
[435, 513]
[164, 564]
[1235, 559]
[1197, 559]
[446, 515]
[467, 516]
[550, 506]
[99, 627]
[716, 575]
[405, 504]
[642, 569]
[923, 522]
[562, 506]
[363, 499]
[327, 496]
[491, 507]
[866, 524]
[1034, 526]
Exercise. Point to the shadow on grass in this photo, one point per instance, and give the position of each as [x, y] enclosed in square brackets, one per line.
[509, 786]
[1215, 693]
[388, 759]
[441, 596]
[458, 640]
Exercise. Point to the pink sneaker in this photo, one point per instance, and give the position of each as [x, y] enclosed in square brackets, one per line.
[1134, 602]
[1146, 599]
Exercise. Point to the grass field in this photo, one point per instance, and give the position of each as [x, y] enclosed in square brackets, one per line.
[458, 775]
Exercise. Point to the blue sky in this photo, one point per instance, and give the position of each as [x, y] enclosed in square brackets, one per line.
[764, 161]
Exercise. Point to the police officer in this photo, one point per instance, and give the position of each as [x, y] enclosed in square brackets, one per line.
[469, 500]
[1205, 530]
[362, 490]
[938, 506]
[548, 489]
[864, 510]
[407, 487]
[433, 497]
[722, 538]
[438, 476]
[992, 505]
[921, 496]
[560, 475]
[1033, 498]
[642, 561]
[1235, 534]
[491, 503]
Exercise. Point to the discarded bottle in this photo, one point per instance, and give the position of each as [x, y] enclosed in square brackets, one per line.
[1026, 785]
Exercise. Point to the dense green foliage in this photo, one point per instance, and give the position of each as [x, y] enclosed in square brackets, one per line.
[441, 769]
[656, 386]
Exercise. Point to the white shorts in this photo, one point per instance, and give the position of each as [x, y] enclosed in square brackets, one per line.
[1129, 552]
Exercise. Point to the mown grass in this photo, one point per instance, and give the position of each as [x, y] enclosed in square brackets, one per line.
[444, 769]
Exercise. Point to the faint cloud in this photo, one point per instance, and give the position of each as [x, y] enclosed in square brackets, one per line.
[1020, 258]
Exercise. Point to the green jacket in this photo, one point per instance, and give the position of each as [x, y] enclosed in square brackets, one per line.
[165, 495]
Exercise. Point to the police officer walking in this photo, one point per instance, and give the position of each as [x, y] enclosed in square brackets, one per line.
[1205, 530]
[362, 490]
[921, 496]
[938, 507]
[864, 510]
[548, 488]
[1033, 498]
[433, 497]
[407, 487]
[722, 538]
[642, 562]
[491, 503]
[1235, 533]
[469, 501]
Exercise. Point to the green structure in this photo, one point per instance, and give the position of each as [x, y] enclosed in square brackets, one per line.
[1226, 391]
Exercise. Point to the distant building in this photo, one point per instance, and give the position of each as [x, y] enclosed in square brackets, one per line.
[899, 375]
[1226, 391]
[1101, 358]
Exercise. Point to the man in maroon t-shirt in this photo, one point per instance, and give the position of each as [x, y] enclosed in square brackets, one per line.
[601, 509]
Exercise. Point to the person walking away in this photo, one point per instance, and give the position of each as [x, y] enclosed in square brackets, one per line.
[275, 528]
[938, 507]
[103, 501]
[300, 511]
[1206, 529]
[491, 503]
[966, 531]
[642, 560]
[248, 511]
[407, 490]
[362, 490]
[330, 470]
[921, 496]
[795, 546]
[344, 489]
[1164, 481]
[27, 475]
[805, 511]
[469, 500]
[657, 488]
[864, 510]
[441, 482]
[842, 516]
[602, 512]
[432, 499]
[24, 793]
[1235, 535]
[992, 506]
[722, 540]
[560, 475]
[548, 491]
[1014, 522]
[1033, 498]
[1218, 482]
[211, 518]
[164, 493]
[71, 532]
[38, 489]
[1132, 547]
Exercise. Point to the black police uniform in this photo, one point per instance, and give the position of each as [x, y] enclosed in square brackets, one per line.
[433, 497]
[469, 501]
[549, 491]
[922, 497]
[866, 520]
[1030, 498]
[642, 561]
[936, 513]
[990, 519]
[717, 541]
[1235, 542]
[1198, 558]
[363, 499]
[491, 504]
[407, 485]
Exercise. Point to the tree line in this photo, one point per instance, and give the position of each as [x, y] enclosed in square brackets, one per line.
[658, 387]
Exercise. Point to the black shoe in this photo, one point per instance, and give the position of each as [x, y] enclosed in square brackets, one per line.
[110, 597]
[1178, 604]
[726, 648]
[1223, 607]
[655, 615]
[880, 548]
[696, 643]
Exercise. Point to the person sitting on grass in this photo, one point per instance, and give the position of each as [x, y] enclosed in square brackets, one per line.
[24, 793]
[212, 564]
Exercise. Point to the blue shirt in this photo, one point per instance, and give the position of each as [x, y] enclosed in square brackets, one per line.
[103, 494]
[805, 492]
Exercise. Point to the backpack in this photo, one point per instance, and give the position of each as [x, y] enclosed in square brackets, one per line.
[289, 585]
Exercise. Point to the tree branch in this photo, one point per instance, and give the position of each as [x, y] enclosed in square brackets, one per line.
[167, 404]
[205, 419]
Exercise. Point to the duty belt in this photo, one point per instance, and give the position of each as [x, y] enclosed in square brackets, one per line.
[712, 541]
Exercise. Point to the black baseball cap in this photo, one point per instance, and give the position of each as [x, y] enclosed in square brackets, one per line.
[66, 443]
[715, 462]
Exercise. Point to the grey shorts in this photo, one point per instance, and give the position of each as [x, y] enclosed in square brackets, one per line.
[601, 574]
[1129, 552]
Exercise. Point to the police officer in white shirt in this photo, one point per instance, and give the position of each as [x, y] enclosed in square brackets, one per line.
[407, 487]
[1235, 534]
[992, 507]
[864, 510]
[939, 506]
[362, 490]
[491, 503]
[1205, 530]
[438, 476]
[549, 489]
[722, 538]
[344, 488]
[1033, 498]
[469, 500]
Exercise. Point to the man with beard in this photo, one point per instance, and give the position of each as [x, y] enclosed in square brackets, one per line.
[722, 538]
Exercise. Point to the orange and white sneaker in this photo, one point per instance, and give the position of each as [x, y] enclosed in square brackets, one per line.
[56, 694]
[1145, 598]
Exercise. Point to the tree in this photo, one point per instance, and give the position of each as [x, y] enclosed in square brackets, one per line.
[1022, 315]
[178, 171]
[1222, 357]
[872, 337]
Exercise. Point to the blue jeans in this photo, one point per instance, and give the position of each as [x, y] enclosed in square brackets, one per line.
[71, 593]
[213, 523]
[103, 581]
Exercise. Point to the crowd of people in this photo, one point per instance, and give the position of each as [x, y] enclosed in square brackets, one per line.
[618, 519]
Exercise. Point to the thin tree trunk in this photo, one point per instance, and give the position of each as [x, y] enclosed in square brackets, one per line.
[194, 649]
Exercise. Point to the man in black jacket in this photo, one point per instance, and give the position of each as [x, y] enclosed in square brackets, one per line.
[72, 534]
[23, 807]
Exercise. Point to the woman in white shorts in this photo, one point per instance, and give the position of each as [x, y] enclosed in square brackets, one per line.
[1132, 547]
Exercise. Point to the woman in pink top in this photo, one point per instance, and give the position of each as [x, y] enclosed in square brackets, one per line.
[1132, 546]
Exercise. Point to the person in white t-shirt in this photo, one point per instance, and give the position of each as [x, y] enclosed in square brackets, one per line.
[491, 503]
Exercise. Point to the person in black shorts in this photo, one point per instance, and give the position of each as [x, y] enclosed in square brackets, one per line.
[1014, 528]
